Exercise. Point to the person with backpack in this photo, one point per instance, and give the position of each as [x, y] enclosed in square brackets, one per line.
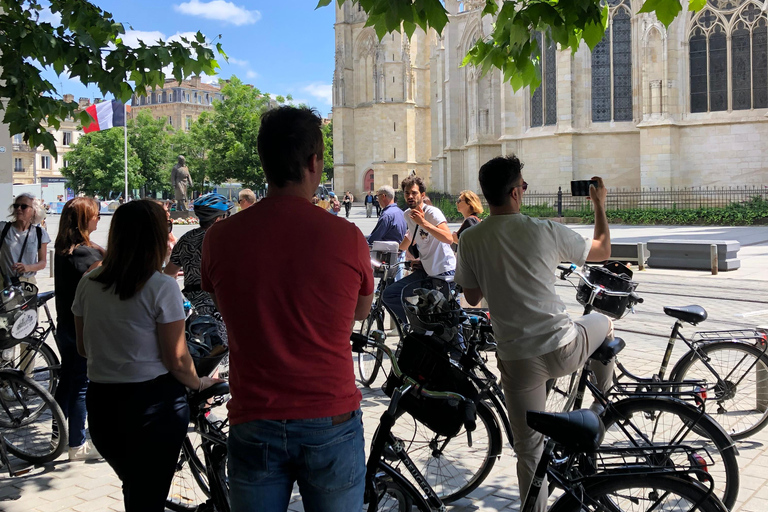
[23, 242]
[335, 204]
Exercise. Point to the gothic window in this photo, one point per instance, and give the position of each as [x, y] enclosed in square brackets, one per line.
[728, 45]
[544, 99]
[612, 67]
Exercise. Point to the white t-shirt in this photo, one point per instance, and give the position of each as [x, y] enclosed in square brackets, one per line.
[10, 253]
[436, 256]
[512, 259]
[120, 336]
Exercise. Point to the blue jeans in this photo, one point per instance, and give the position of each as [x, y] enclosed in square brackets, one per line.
[73, 383]
[392, 293]
[266, 457]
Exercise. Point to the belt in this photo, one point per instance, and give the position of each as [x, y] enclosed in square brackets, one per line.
[341, 418]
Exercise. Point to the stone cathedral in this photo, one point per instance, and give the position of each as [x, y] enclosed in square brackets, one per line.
[649, 107]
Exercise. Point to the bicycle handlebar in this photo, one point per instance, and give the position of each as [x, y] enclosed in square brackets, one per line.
[468, 407]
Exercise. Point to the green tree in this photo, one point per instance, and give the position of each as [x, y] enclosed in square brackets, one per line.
[511, 46]
[230, 135]
[328, 152]
[150, 141]
[88, 45]
[95, 165]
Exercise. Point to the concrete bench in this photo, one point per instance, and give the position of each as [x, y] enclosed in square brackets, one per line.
[693, 254]
[633, 252]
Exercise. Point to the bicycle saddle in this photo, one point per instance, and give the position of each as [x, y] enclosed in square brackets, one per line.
[220, 388]
[691, 314]
[608, 350]
[577, 431]
[44, 297]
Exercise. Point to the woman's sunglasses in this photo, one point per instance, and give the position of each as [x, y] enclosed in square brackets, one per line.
[170, 226]
[23, 207]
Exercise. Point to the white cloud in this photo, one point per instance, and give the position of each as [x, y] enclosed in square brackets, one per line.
[219, 10]
[251, 74]
[320, 91]
[207, 79]
[46, 16]
[299, 101]
[132, 37]
[238, 62]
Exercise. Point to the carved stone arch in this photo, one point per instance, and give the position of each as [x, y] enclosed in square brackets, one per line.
[366, 43]
[472, 32]
[656, 26]
[697, 19]
[365, 79]
[750, 12]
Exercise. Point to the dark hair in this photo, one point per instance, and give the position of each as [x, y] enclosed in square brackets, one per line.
[288, 138]
[73, 225]
[137, 244]
[498, 177]
[412, 180]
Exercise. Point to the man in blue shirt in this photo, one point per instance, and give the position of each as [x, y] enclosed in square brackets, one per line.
[391, 226]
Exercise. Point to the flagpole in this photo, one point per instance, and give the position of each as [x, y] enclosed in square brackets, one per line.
[125, 131]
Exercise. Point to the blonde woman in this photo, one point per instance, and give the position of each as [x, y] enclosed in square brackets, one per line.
[469, 207]
[23, 246]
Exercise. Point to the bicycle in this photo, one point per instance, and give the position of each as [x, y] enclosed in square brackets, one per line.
[734, 362]
[32, 354]
[454, 469]
[616, 479]
[32, 426]
[200, 483]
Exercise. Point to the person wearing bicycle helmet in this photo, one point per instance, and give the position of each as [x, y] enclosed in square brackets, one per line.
[188, 252]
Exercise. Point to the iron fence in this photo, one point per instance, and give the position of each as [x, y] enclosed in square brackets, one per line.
[561, 203]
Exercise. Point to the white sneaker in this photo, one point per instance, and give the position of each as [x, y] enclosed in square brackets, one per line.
[85, 451]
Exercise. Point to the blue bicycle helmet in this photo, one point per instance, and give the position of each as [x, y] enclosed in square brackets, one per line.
[209, 206]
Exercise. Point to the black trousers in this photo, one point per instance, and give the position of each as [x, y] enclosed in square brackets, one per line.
[138, 428]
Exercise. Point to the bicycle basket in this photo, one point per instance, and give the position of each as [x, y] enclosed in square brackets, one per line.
[430, 308]
[205, 344]
[18, 313]
[425, 359]
[612, 306]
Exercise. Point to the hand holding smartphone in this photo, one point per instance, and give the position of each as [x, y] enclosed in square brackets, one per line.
[581, 187]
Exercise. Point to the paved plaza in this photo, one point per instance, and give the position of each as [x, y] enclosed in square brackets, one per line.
[737, 299]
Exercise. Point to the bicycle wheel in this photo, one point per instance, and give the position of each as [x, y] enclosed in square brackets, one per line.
[658, 421]
[189, 489]
[451, 467]
[369, 362]
[640, 493]
[38, 362]
[562, 393]
[737, 394]
[393, 493]
[31, 422]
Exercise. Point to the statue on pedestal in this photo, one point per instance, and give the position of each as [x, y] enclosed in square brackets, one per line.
[181, 179]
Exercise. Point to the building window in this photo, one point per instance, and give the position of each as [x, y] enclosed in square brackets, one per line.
[66, 138]
[395, 181]
[170, 120]
[713, 67]
[18, 139]
[612, 67]
[45, 162]
[544, 99]
[18, 165]
[188, 123]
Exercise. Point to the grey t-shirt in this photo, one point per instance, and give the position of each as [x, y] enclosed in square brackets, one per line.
[512, 259]
[120, 336]
[10, 253]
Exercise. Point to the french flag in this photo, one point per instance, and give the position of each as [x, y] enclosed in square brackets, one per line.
[106, 114]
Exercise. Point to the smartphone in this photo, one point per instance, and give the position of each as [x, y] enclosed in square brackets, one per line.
[581, 187]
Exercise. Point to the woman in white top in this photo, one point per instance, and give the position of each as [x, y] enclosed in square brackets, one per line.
[129, 321]
[24, 242]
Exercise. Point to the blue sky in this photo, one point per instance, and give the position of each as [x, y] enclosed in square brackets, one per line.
[279, 46]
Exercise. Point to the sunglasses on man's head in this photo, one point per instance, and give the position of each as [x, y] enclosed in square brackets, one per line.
[22, 206]
[524, 185]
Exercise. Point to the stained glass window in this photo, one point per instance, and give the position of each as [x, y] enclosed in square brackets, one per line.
[612, 68]
[760, 64]
[550, 84]
[718, 70]
[698, 55]
[741, 68]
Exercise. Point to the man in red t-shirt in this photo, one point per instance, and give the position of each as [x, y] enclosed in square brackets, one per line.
[289, 308]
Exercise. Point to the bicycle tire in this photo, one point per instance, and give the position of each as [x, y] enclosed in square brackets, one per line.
[617, 490]
[562, 394]
[395, 493]
[189, 489]
[39, 362]
[451, 467]
[737, 397]
[661, 420]
[31, 422]
[369, 363]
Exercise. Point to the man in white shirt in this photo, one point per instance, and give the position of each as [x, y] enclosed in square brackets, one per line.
[428, 233]
[510, 259]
